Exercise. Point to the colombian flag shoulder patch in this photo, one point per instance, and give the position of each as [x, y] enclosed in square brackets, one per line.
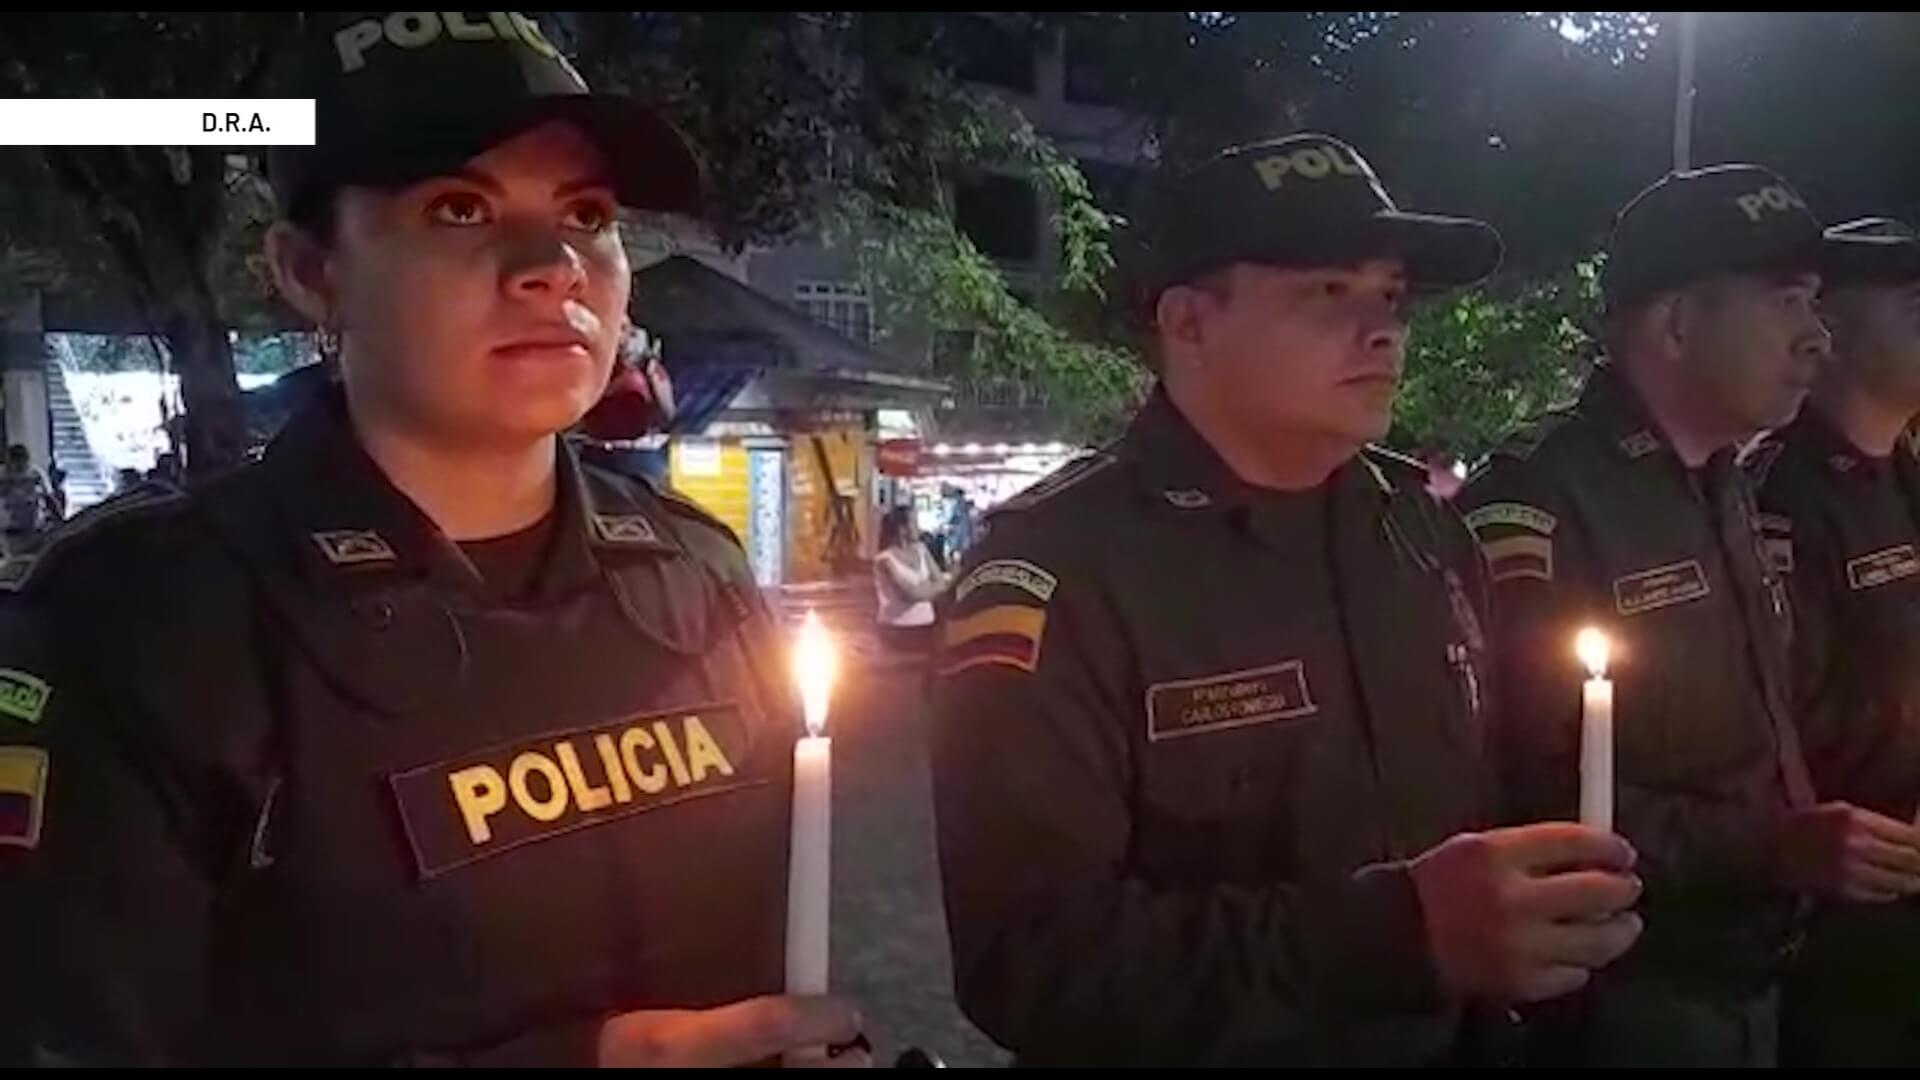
[1007, 635]
[23, 795]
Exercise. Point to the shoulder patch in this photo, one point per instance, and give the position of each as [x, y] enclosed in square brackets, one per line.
[1518, 515]
[1640, 444]
[1518, 558]
[22, 696]
[140, 504]
[23, 795]
[1012, 573]
[355, 547]
[1006, 636]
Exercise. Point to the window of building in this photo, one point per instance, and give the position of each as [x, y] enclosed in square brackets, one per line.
[1000, 214]
[1090, 81]
[983, 51]
[842, 305]
[1111, 184]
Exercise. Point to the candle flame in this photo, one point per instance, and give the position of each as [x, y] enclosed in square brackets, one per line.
[815, 666]
[1593, 649]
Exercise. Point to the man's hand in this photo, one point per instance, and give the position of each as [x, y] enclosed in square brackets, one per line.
[1528, 913]
[1839, 850]
[743, 1033]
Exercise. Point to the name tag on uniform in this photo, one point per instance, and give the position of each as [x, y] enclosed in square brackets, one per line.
[494, 800]
[1881, 567]
[1662, 586]
[1231, 700]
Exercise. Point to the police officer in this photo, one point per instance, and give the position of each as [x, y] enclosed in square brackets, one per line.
[1627, 513]
[416, 741]
[1842, 500]
[1207, 741]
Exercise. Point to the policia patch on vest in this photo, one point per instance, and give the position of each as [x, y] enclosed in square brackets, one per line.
[491, 801]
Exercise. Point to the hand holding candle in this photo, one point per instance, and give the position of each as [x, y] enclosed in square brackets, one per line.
[810, 857]
[1596, 732]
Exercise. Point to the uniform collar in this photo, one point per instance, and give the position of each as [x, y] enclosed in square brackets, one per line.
[1179, 472]
[1627, 425]
[1838, 457]
[355, 529]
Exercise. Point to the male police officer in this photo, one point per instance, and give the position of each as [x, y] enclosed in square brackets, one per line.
[1842, 499]
[416, 741]
[1208, 720]
[1627, 513]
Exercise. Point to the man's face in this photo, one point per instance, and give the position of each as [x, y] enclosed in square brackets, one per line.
[1876, 335]
[1300, 352]
[1753, 345]
[484, 308]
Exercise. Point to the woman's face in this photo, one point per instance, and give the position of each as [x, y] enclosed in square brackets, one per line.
[482, 308]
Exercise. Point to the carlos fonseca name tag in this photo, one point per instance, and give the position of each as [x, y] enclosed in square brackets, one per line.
[1230, 700]
[1880, 567]
[496, 799]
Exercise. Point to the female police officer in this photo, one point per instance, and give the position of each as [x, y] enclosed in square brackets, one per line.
[416, 740]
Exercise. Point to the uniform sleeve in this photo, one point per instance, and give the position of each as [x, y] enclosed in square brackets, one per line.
[1546, 588]
[1060, 953]
[115, 904]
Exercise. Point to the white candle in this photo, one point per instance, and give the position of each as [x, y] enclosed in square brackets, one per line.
[810, 855]
[1596, 732]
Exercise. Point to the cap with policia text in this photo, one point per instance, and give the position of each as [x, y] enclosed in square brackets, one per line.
[406, 95]
[1702, 223]
[1304, 201]
[1871, 251]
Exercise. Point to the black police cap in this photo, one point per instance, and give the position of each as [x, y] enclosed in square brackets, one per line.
[406, 95]
[1871, 251]
[1305, 201]
[1702, 223]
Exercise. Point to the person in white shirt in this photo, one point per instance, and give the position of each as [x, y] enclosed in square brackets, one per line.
[906, 579]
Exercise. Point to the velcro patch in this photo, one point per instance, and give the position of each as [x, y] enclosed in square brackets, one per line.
[355, 547]
[1008, 635]
[1882, 567]
[23, 795]
[22, 696]
[491, 801]
[1519, 515]
[1662, 586]
[1518, 557]
[1013, 573]
[1231, 700]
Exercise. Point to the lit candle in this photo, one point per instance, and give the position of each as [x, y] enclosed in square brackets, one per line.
[1596, 732]
[810, 856]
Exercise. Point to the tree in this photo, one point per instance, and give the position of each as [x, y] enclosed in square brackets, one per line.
[161, 213]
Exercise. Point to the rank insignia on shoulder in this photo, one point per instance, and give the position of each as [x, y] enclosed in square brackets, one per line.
[624, 529]
[14, 572]
[1841, 462]
[1639, 444]
[1012, 573]
[355, 547]
[23, 795]
[1518, 515]
[1008, 635]
[1187, 498]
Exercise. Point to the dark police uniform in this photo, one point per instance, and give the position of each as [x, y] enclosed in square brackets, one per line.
[1844, 528]
[1592, 519]
[1186, 732]
[291, 782]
